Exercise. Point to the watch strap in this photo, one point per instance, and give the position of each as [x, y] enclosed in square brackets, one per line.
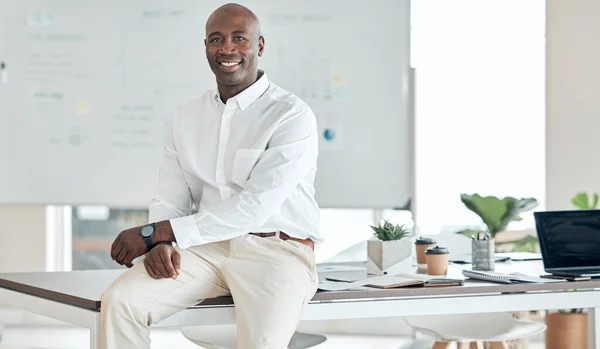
[148, 239]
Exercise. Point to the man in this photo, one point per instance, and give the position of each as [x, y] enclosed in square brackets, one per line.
[235, 194]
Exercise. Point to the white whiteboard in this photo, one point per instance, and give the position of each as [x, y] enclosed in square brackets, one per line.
[91, 86]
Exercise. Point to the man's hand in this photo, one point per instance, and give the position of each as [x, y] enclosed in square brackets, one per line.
[163, 261]
[128, 246]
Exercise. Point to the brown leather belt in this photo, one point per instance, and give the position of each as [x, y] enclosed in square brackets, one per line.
[284, 236]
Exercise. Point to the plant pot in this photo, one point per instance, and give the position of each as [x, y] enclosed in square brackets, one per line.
[389, 257]
[566, 330]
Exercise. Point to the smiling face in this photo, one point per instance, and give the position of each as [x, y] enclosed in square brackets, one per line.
[233, 45]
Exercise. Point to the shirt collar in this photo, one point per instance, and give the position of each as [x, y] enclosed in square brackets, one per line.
[250, 94]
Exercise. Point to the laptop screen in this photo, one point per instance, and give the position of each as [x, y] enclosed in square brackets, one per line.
[569, 239]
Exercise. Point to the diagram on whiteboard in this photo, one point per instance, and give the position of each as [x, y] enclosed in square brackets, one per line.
[157, 58]
[141, 119]
[58, 119]
[311, 70]
[93, 88]
[56, 60]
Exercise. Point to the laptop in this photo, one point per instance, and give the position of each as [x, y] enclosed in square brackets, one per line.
[569, 242]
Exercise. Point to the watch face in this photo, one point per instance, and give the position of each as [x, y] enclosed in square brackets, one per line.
[147, 230]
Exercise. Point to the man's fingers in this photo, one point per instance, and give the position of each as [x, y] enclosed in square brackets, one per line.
[149, 270]
[168, 264]
[161, 262]
[159, 266]
[115, 249]
[121, 257]
[176, 258]
[114, 243]
[128, 261]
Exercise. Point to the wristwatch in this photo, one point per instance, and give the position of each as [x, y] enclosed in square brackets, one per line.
[147, 233]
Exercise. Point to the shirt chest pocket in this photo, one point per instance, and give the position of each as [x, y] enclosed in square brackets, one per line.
[243, 163]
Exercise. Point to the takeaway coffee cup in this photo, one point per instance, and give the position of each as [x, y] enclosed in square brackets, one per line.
[437, 260]
[421, 245]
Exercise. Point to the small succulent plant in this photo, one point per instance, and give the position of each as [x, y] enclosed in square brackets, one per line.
[388, 231]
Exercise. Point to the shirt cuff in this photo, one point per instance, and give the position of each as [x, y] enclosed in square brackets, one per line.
[186, 231]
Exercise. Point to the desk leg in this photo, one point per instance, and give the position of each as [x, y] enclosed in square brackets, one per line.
[95, 333]
[594, 328]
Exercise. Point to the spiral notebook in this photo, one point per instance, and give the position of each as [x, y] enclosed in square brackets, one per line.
[513, 278]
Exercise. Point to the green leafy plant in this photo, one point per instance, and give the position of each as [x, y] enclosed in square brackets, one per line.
[388, 231]
[526, 244]
[582, 201]
[497, 213]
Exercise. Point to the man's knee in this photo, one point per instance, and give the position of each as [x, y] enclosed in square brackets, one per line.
[122, 299]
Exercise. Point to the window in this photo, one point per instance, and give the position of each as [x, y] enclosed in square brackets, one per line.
[95, 228]
[480, 116]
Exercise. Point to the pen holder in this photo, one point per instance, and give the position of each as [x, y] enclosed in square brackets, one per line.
[483, 254]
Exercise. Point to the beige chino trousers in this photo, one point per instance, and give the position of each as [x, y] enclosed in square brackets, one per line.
[270, 280]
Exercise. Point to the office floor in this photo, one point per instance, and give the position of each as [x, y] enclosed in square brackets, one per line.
[67, 337]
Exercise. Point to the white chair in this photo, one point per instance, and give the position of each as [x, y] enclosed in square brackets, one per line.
[469, 331]
[225, 337]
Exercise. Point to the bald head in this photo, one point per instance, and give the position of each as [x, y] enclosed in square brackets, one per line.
[232, 10]
[233, 47]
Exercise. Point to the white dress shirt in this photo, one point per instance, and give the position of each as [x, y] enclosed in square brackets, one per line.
[245, 166]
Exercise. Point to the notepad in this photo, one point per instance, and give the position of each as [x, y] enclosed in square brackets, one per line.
[341, 283]
[512, 278]
[384, 282]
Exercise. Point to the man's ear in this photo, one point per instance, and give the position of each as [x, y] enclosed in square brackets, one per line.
[261, 46]
[204, 42]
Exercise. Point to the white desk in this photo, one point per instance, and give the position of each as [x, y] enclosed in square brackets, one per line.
[74, 297]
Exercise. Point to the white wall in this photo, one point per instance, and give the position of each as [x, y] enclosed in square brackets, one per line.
[572, 100]
[22, 238]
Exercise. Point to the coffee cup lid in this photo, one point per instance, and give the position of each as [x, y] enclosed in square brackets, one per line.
[437, 250]
[425, 241]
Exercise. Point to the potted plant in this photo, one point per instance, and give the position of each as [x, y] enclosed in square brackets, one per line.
[497, 213]
[582, 201]
[568, 328]
[389, 252]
